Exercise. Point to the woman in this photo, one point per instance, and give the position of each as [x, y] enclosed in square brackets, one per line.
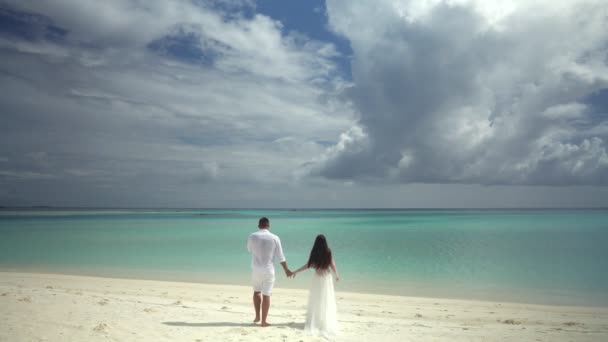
[321, 316]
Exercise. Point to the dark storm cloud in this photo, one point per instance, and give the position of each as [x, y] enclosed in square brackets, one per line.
[445, 95]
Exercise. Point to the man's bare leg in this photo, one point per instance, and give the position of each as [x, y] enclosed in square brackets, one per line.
[257, 302]
[265, 308]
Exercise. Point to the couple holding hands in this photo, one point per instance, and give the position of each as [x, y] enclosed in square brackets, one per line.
[265, 247]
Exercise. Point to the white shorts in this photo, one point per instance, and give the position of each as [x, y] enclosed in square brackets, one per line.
[263, 282]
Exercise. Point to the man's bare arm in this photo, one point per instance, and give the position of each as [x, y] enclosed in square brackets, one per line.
[286, 269]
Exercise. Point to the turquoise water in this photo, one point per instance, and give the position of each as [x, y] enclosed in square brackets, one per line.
[541, 256]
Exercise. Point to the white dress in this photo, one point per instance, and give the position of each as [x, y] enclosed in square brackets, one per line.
[321, 318]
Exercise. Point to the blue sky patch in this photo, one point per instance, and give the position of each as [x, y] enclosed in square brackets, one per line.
[598, 102]
[185, 46]
[309, 18]
[29, 26]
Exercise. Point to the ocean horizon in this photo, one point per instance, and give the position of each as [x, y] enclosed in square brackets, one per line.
[530, 255]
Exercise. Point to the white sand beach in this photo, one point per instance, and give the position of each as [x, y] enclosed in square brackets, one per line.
[50, 307]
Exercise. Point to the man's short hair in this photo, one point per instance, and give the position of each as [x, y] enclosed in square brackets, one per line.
[264, 221]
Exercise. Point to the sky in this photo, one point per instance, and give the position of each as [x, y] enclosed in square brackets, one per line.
[304, 104]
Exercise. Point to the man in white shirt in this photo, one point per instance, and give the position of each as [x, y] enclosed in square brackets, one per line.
[264, 247]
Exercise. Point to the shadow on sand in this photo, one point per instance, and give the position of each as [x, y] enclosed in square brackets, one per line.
[293, 325]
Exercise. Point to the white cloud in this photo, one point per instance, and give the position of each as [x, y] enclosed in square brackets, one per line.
[27, 175]
[112, 113]
[565, 111]
[472, 91]
[122, 29]
[103, 107]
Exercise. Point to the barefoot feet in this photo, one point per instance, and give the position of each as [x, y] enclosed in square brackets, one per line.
[265, 324]
[257, 319]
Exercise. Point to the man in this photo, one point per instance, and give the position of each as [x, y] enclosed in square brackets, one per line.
[264, 247]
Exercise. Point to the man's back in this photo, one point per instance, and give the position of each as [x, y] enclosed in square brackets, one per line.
[264, 248]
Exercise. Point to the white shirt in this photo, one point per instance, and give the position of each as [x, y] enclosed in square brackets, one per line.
[264, 247]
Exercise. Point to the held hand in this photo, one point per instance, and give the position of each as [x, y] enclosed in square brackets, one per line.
[293, 275]
[337, 277]
[288, 273]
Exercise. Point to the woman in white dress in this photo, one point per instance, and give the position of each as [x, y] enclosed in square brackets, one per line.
[321, 318]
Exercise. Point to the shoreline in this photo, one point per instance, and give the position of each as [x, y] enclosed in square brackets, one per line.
[42, 306]
[414, 289]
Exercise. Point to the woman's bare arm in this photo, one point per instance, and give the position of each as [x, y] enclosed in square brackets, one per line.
[304, 267]
[334, 268]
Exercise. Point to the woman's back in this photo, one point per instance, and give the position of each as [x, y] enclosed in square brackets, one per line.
[321, 317]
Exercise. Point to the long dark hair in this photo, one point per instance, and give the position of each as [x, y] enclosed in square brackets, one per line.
[320, 254]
